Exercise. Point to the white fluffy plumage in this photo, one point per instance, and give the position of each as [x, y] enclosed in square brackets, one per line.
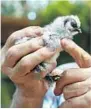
[61, 27]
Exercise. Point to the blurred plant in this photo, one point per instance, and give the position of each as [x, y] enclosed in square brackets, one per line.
[11, 8]
[21, 8]
[61, 8]
[80, 8]
[45, 14]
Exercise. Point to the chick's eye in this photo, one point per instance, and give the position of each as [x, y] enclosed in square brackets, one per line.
[73, 24]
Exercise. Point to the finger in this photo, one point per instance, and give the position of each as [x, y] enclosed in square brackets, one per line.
[20, 78]
[44, 71]
[56, 71]
[18, 51]
[34, 31]
[29, 62]
[83, 101]
[77, 89]
[71, 76]
[82, 58]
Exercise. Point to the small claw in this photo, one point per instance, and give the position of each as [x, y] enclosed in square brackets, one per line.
[56, 77]
[42, 68]
[42, 64]
[49, 78]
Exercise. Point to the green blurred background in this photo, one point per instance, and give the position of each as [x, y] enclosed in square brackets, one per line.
[17, 14]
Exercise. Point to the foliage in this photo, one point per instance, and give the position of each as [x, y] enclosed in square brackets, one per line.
[79, 8]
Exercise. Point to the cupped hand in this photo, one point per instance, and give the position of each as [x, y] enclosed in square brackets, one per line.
[18, 62]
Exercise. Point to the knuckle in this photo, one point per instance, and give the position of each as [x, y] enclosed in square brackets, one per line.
[65, 90]
[78, 85]
[71, 103]
[24, 63]
[87, 97]
[77, 93]
[13, 36]
[44, 54]
[12, 53]
[38, 28]
[32, 44]
[66, 93]
[16, 79]
[35, 43]
[67, 73]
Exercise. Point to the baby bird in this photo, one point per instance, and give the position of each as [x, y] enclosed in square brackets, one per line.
[61, 27]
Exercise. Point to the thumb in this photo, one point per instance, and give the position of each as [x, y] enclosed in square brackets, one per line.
[82, 58]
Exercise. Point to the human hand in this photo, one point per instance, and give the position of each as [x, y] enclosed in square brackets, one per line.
[75, 84]
[18, 62]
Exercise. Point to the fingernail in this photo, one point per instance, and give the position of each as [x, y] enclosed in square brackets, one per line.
[56, 92]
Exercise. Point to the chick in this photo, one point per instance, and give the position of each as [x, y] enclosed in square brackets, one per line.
[61, 27]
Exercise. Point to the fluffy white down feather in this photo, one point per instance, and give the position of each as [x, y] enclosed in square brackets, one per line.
[60, 28]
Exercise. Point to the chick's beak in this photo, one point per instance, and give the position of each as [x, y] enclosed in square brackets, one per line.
[78, 30]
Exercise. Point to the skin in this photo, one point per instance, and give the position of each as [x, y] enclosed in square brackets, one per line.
[18, 62]
[75, 84]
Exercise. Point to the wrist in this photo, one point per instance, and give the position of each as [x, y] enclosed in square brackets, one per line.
[28, 97]
[22, 100]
